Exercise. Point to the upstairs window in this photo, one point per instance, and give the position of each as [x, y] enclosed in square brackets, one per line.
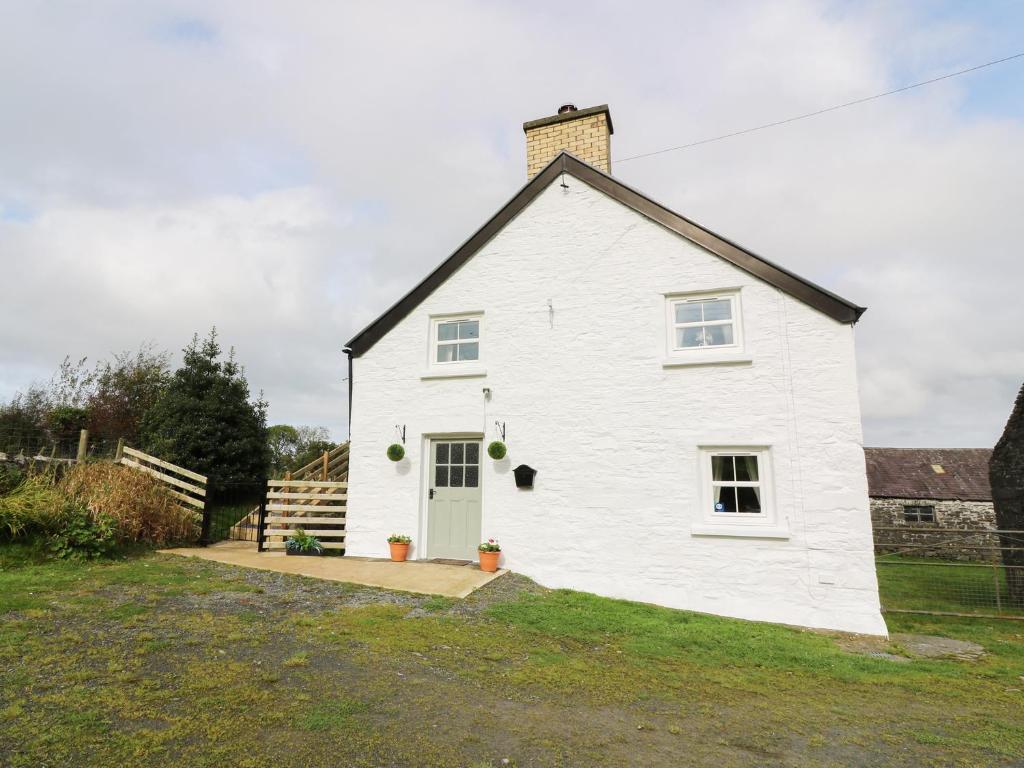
[455, 340]
[919, 513]
[708, 321]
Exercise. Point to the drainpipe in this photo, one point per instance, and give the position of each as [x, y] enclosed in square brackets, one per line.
[348, 351]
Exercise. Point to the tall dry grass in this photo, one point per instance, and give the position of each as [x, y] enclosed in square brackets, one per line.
[143, 509]
[35, 506]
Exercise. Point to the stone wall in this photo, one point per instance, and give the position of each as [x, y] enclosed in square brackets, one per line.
[942, 536]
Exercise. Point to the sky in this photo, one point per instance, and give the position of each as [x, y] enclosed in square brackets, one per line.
[285, 171]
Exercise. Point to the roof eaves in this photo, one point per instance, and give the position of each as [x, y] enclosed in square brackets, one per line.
[831, 304]
[373, 332]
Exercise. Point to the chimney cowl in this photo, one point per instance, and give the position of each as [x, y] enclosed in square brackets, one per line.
[566, 108]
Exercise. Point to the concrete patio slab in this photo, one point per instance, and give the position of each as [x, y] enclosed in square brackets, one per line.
[422, 577]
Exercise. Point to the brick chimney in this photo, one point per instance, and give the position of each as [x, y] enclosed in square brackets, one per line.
[586, 133]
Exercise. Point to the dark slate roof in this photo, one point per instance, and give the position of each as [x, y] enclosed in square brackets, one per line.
[908, 473]
[825, 301]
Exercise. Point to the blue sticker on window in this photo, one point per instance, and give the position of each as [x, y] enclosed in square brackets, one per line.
[719, 507]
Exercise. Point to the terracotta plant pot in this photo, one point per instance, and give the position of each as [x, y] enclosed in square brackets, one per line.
[489, 561]
[398, 551]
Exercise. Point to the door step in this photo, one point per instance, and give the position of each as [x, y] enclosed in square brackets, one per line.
[449, 561]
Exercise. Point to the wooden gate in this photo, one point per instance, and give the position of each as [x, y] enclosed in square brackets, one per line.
[333, 465]
[316, 506]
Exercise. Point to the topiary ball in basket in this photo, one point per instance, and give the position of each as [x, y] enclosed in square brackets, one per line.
[497, 450]
[396, 452]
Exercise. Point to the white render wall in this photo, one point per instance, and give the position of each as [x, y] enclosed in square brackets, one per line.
[614, 435]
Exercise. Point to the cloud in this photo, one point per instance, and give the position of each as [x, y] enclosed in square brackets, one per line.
[187, 31]
[287, 171]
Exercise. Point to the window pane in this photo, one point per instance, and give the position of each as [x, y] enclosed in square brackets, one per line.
[688, 312]
[457, 453]
[689, 337]
[472, 477]
[472, 454]
[469, 329]
[722, 468]
[720, 309]
[919, 514]
[708, 336]
[749, 500]
[442, 453]
[456, 477]
[746, 468]
[725, 499]
[447, 331]
[446, 353]
[441, 477]
[469, 351]
[716, 335]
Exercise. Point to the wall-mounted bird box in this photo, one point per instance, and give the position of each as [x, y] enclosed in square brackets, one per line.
[524, 476]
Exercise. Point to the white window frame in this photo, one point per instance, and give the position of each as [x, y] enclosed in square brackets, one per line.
[763, 524]
[732, 295]
[436, 321]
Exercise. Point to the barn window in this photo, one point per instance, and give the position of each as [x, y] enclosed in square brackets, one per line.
[919, 513]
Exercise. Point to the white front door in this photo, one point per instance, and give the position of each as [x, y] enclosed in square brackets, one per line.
[453, 506]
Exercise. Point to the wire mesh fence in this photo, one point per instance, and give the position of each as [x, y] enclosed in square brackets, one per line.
[951, 571]
[28, 445]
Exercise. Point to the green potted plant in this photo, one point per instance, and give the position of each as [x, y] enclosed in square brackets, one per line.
[497, 450]
[301, 543]
[490, 551]
[399, 544]
[396, 452]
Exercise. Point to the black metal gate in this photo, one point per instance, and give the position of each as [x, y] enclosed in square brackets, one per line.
[232, 511]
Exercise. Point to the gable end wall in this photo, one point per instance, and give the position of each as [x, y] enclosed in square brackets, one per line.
[614, 434]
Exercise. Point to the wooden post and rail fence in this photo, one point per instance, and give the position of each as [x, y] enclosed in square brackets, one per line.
[313, 497]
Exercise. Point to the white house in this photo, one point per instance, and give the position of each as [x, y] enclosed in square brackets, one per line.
[690, 408]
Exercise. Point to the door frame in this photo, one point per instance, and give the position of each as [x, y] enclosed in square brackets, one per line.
[426, 451]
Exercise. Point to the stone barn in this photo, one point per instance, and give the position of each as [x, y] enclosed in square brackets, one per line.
[932, 495]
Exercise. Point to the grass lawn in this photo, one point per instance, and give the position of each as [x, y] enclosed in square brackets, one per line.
[163, 661]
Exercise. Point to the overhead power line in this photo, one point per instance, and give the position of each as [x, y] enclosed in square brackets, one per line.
[820, 111]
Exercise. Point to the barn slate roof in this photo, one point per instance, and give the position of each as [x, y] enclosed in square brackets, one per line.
[825, 301]
[908, 473]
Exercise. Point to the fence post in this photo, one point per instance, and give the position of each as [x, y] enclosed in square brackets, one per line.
[120, 450]
[262, 519]
[83, 444]
[204, 535]
[995, 581]
[327, 459]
